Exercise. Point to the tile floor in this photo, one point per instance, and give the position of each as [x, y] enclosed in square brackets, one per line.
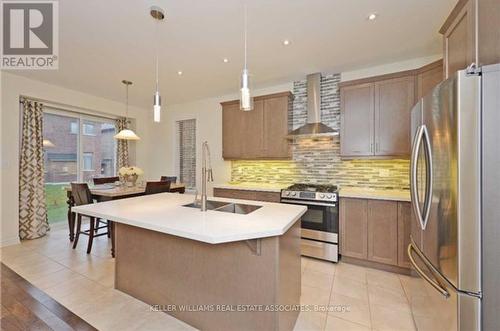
[372, 299]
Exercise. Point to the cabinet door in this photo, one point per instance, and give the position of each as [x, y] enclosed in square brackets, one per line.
[394, 99]
[354, 228]
[428, 79]
[357, 116]
[275, 143]
[232, 126]
[404, 231]
[383, 231]
[251, 136]
[459, 41]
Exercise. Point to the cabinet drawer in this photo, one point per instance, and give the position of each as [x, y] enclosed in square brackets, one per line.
[319, 250]
[268, 196]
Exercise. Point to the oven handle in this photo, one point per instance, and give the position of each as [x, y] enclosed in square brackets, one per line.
[296, 202]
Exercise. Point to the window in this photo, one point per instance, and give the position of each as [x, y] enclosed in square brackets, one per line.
[186, 131]
[88, 161]
[73, 127]
[88, 129]
[75, 155]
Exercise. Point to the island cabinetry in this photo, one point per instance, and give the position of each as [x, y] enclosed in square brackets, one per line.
[257, 134]
[375, 232]
[184, 274]
[247, 194]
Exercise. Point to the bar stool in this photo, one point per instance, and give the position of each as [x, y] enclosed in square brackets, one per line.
[82, 196]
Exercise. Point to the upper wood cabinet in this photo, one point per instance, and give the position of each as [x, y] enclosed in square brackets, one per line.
[375, 116]
[259, 133]
[394, 99]
[356, 116]
[428, 77]
[471, 35]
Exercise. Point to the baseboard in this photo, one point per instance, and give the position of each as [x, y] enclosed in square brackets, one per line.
[9, 241]
[375, 265]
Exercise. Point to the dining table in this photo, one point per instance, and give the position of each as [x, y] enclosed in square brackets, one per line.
[107, 192]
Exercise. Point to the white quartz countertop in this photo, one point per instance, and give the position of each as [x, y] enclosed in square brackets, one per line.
[367, 193]
[164, 213]
[264, 187]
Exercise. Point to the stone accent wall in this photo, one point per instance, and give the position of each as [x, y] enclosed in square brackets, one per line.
[186, 129]
[317, 160]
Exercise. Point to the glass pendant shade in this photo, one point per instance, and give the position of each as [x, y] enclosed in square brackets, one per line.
[126, 134]
[246, 99]
[157, 107]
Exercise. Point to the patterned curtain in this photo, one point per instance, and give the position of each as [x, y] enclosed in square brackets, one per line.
[121, 145]
[33, 221]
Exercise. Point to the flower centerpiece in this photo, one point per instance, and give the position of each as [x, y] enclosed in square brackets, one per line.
[130, 174]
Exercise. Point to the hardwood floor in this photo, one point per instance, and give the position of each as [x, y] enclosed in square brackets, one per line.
[25, 307]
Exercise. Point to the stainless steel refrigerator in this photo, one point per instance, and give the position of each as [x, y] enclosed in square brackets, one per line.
[455, 185]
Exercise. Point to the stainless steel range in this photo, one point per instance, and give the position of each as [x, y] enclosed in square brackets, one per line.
[320, 224]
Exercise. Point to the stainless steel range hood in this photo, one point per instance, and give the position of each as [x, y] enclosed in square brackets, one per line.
[313, 127]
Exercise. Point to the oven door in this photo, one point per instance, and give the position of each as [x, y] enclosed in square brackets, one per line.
[319, 216]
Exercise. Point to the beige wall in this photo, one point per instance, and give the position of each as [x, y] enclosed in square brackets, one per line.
[12, 86]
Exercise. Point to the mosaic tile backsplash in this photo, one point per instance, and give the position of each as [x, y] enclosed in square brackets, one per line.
[317, 160]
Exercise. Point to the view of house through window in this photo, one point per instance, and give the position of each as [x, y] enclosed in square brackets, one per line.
[77, 147]
[186, 130]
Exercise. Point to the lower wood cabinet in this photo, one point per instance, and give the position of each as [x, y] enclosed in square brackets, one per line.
[354, 228]
[247, 195]
[375, 230]
[383, 231]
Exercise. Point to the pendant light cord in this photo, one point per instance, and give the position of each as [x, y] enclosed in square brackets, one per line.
[245, 33]
[157, 51]
[126, 101]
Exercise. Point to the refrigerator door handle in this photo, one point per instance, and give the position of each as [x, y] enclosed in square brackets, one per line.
[421, 135]
[434, 283]
[413, 174]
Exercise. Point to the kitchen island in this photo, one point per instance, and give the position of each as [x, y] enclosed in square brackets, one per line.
[237, 267]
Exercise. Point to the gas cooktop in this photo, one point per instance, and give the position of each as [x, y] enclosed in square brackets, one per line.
[313, 188]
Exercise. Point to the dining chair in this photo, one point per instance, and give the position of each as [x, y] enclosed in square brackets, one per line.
[105, 180]
[157, 187]
[82, 196]
[100, 181]
[171, 179]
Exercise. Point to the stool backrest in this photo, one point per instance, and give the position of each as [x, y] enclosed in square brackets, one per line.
[105, 180]
[81, 194]
[157, 187]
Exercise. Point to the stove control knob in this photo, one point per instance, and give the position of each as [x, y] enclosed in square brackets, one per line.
[329, 196]
[322, 196]
[287, 193]
[294, 194]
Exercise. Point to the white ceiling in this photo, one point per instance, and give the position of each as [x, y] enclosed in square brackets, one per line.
[103, 42]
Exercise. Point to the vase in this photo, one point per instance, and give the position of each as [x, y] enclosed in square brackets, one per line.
[130, 180]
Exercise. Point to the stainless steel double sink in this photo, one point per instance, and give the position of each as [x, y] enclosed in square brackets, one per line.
[227, 207]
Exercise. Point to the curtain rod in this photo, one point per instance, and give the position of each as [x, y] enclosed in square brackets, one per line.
[69, 108]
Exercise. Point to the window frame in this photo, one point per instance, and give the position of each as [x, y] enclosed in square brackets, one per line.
[177, 151]
[81, 117]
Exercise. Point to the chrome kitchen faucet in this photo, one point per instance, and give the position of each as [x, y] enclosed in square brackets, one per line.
[206, 174]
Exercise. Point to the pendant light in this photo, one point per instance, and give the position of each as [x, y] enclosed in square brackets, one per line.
[246, 99]
[158, 14]
[126, 134]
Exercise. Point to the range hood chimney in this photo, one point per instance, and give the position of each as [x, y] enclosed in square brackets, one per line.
[313, 127]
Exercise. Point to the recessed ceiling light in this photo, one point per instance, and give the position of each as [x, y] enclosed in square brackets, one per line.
[179, 73]
[286, 42]
[372, 16]
[225, 60]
